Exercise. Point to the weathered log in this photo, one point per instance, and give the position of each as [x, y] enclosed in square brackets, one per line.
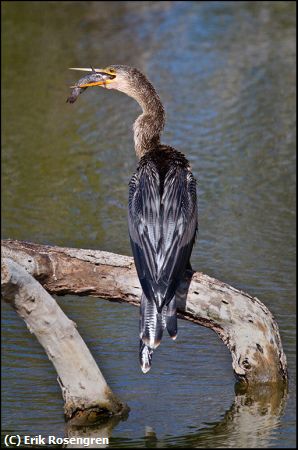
[242, 322]
[84, 389]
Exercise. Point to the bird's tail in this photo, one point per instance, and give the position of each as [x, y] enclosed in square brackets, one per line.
[171, 318]
[145, 355]
[152, 324]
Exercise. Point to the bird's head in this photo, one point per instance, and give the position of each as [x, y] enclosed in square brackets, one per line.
[122, 78]
[132, 82]
[126, 79]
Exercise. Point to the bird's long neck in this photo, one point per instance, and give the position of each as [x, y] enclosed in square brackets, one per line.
[149, 125]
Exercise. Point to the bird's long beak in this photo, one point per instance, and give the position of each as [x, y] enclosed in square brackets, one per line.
[107, 76]
[86, 69]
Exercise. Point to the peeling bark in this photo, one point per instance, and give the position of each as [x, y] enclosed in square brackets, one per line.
[242, 322]
[83, 386]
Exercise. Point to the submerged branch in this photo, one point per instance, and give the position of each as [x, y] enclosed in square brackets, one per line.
[85, 392]
[242, 322]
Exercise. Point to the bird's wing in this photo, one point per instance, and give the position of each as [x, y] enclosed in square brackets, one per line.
[162, 226]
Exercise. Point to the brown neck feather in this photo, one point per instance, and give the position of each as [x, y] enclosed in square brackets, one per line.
[149, 125]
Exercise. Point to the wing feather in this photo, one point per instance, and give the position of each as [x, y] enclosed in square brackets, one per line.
[162, 220]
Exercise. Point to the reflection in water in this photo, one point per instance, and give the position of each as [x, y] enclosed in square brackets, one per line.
[102, 430]
[250, 422]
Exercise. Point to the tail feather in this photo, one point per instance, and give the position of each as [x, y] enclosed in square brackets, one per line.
[171, 319]
[145, 356]
[151, 323]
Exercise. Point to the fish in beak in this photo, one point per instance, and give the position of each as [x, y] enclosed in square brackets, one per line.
[98, 77]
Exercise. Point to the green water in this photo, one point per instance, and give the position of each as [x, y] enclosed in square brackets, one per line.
[225, 72]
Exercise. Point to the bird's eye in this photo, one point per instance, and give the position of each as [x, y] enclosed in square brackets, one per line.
[111, 70]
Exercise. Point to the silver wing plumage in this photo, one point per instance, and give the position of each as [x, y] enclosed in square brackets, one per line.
[162, 219]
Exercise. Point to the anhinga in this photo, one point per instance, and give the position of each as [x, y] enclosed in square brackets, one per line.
[162, 207]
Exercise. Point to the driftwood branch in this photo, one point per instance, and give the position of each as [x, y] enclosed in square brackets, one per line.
[242, 322]
[85, 392]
